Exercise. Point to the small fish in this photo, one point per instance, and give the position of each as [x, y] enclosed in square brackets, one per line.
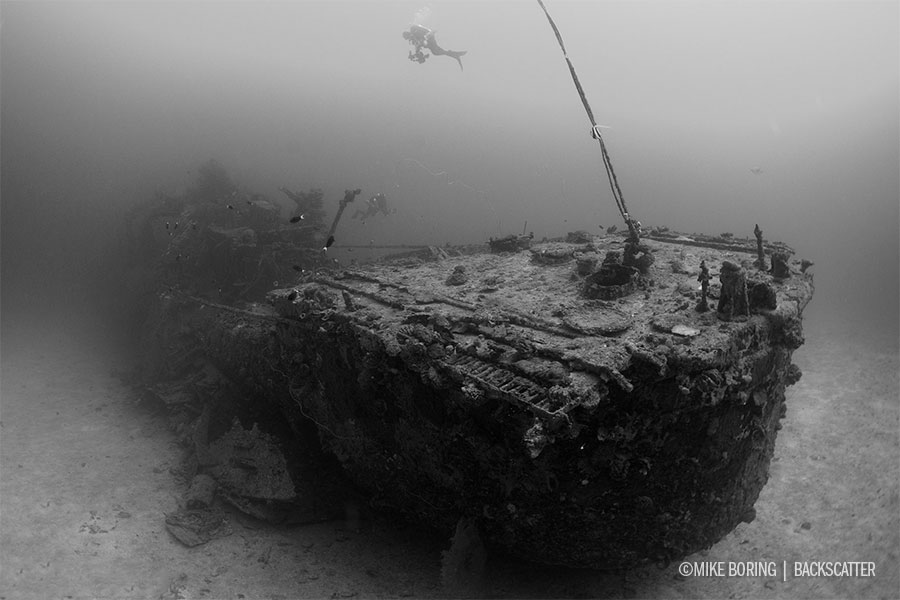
[230, 206]
[249, 202]
[297, 268]
[329, 242]
[167, 225]
[193, 225]
[297, 219]
[176, 225]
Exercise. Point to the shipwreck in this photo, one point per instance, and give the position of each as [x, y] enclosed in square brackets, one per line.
[598, 401]
[572, 398]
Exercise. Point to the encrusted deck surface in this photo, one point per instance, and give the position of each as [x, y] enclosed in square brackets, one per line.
[536, 304]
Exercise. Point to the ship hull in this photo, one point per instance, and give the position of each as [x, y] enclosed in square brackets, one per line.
[607, 446]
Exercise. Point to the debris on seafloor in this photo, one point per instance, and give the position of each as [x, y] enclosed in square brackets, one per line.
[196, 527]
[252, 473]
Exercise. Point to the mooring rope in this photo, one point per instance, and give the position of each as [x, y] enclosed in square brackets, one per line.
[595, 133]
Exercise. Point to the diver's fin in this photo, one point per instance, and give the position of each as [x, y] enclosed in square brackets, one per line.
[457, 56]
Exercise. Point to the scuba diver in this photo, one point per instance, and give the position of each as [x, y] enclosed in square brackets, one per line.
[374, 205]
[422, 37]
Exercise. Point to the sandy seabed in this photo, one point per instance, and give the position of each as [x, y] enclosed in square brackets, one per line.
[85, 485]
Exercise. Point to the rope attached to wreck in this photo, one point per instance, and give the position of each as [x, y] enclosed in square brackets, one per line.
[633, 225]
